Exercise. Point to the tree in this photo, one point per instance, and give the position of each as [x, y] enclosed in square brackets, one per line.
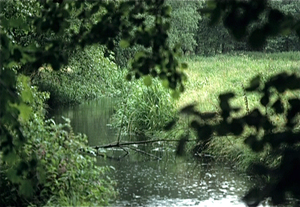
[215, 38]
[124, 19]
[184, 24]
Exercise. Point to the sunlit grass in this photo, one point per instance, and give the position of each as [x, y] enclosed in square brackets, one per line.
[210, 76]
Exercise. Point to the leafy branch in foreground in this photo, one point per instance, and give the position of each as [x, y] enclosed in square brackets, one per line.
[283, 138]
[265, 131]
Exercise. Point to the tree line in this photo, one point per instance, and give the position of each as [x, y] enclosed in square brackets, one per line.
[191, 27]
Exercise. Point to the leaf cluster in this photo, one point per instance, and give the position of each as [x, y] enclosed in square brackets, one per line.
[49, 168]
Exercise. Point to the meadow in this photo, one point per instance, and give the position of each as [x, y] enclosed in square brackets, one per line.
[210, 76]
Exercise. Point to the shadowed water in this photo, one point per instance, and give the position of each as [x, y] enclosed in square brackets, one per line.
[145, 182]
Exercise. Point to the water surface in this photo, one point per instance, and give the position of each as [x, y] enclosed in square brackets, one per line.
[142, 181]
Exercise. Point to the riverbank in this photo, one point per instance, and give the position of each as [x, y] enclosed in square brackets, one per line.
[210, 76]
[145, 110]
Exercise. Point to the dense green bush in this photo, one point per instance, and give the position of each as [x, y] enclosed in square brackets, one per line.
[87, 76]
[58, 173]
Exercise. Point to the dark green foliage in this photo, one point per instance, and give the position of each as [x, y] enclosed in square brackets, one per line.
[181, 145]
[214, 39]
[182, 31]
[40, 35]
[88, 75]
[48, 168]
[269, 31]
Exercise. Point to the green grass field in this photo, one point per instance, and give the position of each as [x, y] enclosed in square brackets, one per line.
[210, 76]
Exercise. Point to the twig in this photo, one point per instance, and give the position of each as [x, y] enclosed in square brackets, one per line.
[138, 142]
[124, 154]
[246, 99]
[119, 135]
[143, 152]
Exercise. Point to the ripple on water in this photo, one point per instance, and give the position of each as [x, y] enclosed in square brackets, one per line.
[178, 184]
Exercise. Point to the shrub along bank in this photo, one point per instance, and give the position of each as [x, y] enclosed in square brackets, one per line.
[59, 173]
[87, 76]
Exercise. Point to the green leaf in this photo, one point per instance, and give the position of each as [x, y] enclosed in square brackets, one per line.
[175, 94]
[128, 77]
[26, 188]
[12, 175]
[189, 109]
[181, 146]
[124, 43]
[26, 93]
[184, 65]
[25, 111]
[254, 84]
[265, 99]
[170, 125]
[147, 80]
[237, 127]
[11, 157]
[165, 83]
[139, 55]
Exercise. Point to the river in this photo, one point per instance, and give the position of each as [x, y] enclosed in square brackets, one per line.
[142, 181]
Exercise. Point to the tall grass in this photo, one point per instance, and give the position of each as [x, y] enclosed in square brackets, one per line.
[144, 109]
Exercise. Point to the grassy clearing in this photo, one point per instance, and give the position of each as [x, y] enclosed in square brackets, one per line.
[210, 76]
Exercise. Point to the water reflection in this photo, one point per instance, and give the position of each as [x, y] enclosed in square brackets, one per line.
[91, 118]
[168, 182]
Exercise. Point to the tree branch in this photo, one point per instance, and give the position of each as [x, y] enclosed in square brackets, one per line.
[137, 142]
